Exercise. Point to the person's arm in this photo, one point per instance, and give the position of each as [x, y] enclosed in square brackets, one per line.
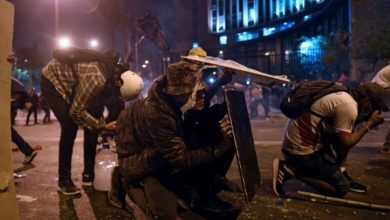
[345, 141]
[89, 86]
[171, 146]
[165, 144]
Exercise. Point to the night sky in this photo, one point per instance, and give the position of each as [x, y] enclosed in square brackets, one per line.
[35, 23]
[83, 20]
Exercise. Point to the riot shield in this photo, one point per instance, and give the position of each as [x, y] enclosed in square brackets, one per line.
[243, 139]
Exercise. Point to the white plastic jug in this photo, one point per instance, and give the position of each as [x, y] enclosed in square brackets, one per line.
[105, 162]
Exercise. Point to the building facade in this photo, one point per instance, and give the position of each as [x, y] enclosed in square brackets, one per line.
[278, 36]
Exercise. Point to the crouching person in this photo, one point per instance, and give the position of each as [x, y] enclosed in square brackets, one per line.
[316, 144]
[158, 165]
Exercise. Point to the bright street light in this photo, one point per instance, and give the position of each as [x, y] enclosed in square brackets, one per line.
[143, 65]
[93, 43]
[64, 42]
[146, 61]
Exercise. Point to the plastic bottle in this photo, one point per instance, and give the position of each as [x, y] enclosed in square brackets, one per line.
[106, 160]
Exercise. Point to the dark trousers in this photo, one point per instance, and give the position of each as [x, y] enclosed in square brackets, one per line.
[253, 108]
[320, 165]
[46, 118]
[34, 110]
[157, 195]
[69, 129]
[266, 107]
[23, 146]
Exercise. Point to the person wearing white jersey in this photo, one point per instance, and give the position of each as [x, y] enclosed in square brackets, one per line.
[315, 147]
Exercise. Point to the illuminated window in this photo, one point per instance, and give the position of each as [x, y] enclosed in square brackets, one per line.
[251, 12]
[299, 4]
[280, 8]
[278, 28]
[225, 15]
[223, 40]
[245, 36]
[268, 31]
[310, 50]
[213, 16]
[290, 6]
[221, 23]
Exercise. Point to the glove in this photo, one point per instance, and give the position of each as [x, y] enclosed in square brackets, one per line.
[226, 77]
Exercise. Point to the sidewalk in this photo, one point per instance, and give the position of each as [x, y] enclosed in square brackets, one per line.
[38, 198]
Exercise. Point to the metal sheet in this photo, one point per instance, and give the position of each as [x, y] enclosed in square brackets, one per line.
[255, 74]
[245, 147]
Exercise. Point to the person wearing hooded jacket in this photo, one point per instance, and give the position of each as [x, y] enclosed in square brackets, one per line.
[159, 165]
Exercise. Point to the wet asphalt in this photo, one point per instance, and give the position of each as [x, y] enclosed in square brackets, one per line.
[38, 199]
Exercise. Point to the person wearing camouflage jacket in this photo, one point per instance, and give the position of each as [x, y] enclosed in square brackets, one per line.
[155, 158]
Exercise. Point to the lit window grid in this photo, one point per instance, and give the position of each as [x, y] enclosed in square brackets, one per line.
[247, 12]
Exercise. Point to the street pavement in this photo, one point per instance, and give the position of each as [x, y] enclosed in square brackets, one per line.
[38, 199]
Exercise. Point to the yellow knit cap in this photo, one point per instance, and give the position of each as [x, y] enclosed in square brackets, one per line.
[197, 51]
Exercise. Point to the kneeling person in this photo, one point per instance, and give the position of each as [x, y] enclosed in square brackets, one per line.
[315, 148]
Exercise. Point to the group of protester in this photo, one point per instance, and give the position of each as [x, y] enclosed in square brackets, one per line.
[32, 104]
[259, 94]
[19, 100]
[174, 148]
[37, 102]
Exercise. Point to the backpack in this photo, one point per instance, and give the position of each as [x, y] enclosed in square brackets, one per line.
[74, 55]
[300, 98]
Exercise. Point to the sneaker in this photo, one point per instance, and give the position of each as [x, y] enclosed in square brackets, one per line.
[353, 185]
[19, 175]
[280, 175]
[87, 179]
[68, 188]
[28, 159]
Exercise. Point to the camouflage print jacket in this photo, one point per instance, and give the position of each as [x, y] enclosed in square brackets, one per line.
[150, 138]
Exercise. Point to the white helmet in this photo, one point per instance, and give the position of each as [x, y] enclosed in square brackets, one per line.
[132, 85]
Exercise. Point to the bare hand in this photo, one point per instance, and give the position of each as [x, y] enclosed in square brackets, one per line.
[375, 119]
[11, 58]
[110, 126]
[226, 127]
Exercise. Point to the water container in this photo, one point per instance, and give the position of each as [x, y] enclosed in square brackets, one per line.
[106, 160]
